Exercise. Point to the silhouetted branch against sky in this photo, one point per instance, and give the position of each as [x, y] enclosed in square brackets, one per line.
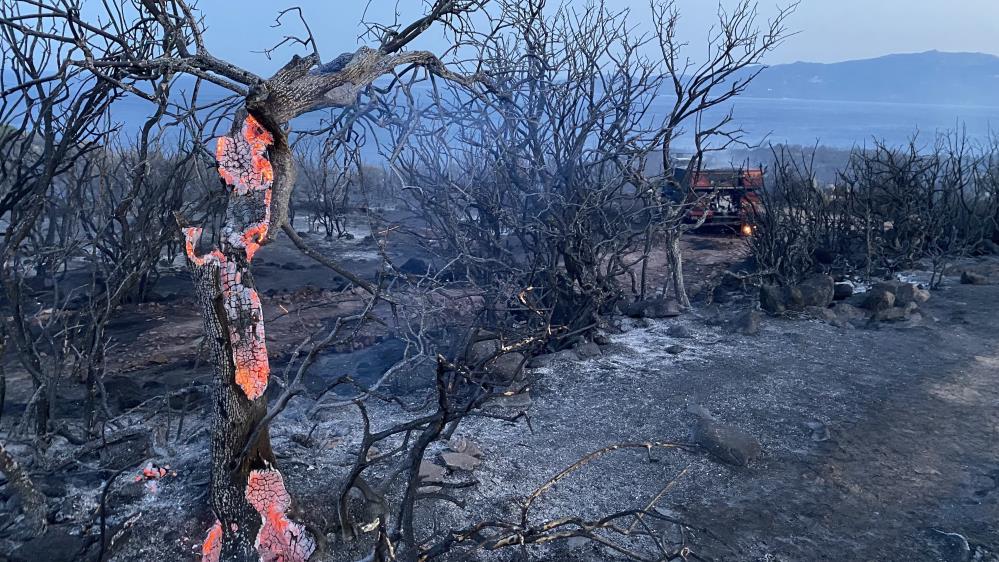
[829, 30]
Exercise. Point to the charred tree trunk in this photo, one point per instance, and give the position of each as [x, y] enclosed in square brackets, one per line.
[32, 501]
[140, 51]
[248, 495]
[675, 258]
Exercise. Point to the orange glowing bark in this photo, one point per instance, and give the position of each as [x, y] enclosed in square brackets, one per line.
[243, 165]
[212, 549]
[246, 332]
[280, 539]
[234, 318]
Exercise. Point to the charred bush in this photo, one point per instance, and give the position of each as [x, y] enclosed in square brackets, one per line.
[892, 208]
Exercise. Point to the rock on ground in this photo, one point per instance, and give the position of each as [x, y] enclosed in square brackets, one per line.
[848, 315]
[972, 278]
[652, 308]
[879, 298]
[587, 350]
[896, 313]
[725, 442]
[483, 350]
[904, 292]
[842, 291]
[772, 299]
[817, 290]
[505, 365]
[821, 313]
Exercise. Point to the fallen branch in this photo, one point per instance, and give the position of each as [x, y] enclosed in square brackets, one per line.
[332, 264]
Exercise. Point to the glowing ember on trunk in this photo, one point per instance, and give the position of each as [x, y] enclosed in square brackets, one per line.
[244, 166]
[212, 549]
[280, 539]
[245, 318]
[243, 163]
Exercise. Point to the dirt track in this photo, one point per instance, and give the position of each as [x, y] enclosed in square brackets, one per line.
[912, 451]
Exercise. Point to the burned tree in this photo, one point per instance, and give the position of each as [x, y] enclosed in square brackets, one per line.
[326, 183]
[52, 123]
[235, 325]
[548, 174]
[891, 207]
[153, 42]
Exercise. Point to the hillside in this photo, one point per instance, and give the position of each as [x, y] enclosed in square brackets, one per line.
[931, 77]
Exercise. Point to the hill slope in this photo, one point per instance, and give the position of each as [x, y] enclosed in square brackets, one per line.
[930, 77]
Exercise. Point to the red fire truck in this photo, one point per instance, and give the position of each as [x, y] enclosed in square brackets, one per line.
[725, 198]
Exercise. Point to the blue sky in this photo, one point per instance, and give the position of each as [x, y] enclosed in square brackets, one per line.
[829, 30]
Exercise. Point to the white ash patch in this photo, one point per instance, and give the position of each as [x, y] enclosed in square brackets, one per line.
[359, 255]
[648, 345]
[859, 286]
[921, 278]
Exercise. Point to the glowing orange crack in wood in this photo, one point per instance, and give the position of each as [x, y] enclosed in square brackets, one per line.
[212, 548]
[280, 539]
[243, 162]
[244, 315]
[244, 318]
[244, 166]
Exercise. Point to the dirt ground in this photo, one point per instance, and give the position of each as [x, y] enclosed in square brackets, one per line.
[880, 443]
[905, 458]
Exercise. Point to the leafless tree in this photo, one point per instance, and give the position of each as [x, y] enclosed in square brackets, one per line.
[49, 124]
[892, 207]
[550, 173]
[52, 122]
[151, 42]
[326, 183]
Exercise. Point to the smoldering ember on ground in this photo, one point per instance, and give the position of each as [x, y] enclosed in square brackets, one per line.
[537, 295]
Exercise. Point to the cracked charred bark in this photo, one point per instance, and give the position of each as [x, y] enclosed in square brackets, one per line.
[234, 328]
[256, 163]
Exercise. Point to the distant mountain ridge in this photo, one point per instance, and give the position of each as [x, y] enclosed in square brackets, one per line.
[933, 77]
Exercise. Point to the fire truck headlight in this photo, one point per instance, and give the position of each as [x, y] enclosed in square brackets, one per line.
[747, 230]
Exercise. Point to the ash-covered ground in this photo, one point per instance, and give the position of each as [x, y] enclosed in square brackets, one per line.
[880, 441]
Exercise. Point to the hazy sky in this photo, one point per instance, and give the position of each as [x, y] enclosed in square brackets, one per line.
[829, 30]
